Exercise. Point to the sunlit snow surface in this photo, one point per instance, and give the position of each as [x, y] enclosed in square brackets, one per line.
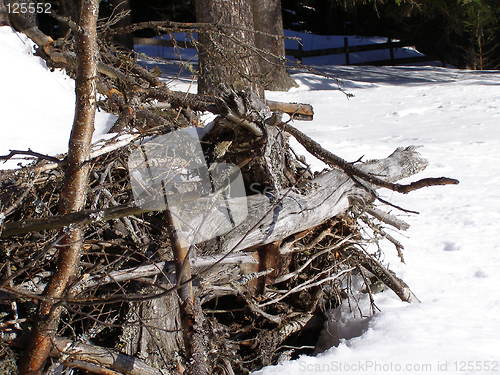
[36, 105]
[453, 246]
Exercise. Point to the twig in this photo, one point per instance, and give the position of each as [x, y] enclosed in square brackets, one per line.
[335, 161]
[310, 259]
[30, 153]
[306, 285]
[399, 287]
[387, 218]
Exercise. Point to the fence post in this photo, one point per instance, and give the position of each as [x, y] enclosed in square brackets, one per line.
[391, 50]
[346, 50]
[301, 49]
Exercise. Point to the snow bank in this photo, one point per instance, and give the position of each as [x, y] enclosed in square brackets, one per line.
[453, 246]
[37, 105]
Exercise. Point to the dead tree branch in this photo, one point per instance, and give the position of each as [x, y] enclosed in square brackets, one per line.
[335, 161]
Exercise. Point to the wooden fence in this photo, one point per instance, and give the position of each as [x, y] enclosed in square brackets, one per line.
[300, 53]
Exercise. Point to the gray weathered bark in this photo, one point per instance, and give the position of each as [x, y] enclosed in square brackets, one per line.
[268, 23]
[227, 56]
[329, 197]
[297, 212]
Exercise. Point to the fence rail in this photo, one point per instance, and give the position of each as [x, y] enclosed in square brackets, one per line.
[300, 53]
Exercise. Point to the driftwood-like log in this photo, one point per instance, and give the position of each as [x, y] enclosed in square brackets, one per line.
[330, 196]
[166, 269]
[295, 212]
[298, 111]
[87, 357]
[105, 357]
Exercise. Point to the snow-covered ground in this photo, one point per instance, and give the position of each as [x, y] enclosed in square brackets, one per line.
[453, 246]
[36, 105]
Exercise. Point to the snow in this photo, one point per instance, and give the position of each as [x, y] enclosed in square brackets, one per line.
[453, 246]
[37, 105]
[294, 39]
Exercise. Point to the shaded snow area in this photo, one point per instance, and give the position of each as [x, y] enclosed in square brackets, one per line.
[37, 105]
[294, 40]
[452, 248]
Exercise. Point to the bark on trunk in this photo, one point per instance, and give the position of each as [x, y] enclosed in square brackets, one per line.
[269, 38]
[227, 56]
[73, 192]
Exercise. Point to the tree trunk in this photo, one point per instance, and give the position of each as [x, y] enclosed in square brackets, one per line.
[226, 55]
[73, 193]
[268, 23]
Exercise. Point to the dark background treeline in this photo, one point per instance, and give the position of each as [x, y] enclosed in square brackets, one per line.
[465, 33]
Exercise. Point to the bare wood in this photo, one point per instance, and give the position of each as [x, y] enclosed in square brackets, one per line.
[330, 196]
[387, 218]
[190, 315]
[98, 149]
[73, 192]
[166, 269]
[90, 368]
[80, 218]
[397, 285]
[105, 357]
[250, 126]
[299, 111]
[88, 357]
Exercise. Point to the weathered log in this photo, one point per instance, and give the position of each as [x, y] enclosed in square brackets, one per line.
[295, 212]
[297, 111]
[93, 358]
[292, 212]
[335, 161]
[105, 357]
[166, 269]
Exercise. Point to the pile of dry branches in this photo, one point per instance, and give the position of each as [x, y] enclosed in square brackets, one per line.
[139, 302]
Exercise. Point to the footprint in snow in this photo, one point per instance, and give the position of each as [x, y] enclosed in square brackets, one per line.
[480, 274]
[450, 246]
